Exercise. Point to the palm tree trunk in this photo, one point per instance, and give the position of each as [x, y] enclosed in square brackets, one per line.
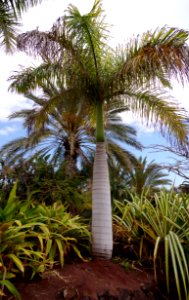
[102, 240]
[70, 167]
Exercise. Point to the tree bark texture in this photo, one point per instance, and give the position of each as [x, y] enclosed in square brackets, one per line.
[102, 236]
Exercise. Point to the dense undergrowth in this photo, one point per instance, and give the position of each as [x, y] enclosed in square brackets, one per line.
[35, 237]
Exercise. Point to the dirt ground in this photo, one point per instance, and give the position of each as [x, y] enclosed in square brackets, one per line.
[93, 280]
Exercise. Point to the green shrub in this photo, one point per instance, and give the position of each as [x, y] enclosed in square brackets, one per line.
[35, 237]
[162, 226]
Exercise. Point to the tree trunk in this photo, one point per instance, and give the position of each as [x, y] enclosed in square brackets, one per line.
[102, 240]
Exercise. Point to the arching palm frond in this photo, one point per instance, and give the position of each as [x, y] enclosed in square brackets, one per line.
[15, 150]
[27, 79]
[10, 12]
[8, 28]
[120, 155]
[145, 176]
[158, 109]
[68, 134]
[162, 53]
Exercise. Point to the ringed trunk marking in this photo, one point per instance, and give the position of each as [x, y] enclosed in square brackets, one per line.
[102, 236]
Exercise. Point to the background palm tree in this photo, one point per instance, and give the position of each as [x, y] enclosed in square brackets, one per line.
[147, 177]
[133, 74]
[67, 136]
[10, 13]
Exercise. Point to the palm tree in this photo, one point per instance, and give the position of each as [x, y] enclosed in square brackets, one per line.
[67, 137]
[147, 176]
[133, 74]
[10, 12]
[64, 138]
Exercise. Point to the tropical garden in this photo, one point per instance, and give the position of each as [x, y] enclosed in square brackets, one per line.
[73, 185]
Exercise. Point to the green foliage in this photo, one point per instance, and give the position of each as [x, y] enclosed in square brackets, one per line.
[10, 12]
[162, 233]
[184, 187]
[38, 181]
[35, 237]
[142, 178]
[147, 177]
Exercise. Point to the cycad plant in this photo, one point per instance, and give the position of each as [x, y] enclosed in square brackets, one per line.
[132, 74]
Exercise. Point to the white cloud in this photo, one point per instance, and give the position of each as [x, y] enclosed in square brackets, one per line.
[182, 94]
[7, 130]
[10, 102]
[131, 119]
[44, 15]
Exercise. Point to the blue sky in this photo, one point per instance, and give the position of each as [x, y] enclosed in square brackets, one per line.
[127, 18]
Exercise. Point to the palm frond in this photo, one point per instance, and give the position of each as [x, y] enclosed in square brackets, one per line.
[10, 12]
[89, 32]
[161, 53]
[30, 78]
[19, 6]
[119, 155]
[160, 111]
[146, 175]
[8, 28]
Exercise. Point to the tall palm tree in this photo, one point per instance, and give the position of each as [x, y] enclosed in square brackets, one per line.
[133, 74]
[147, 176]
[10, 13]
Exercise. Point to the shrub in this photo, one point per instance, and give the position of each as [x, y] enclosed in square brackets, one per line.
[35, 237]
[162, 226]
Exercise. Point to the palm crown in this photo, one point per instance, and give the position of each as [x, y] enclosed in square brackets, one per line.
[102, 74]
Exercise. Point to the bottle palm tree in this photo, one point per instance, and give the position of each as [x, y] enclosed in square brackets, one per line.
[133, 74]
[10, 12]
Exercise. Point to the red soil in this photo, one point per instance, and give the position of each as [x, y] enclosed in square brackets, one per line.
[98, 279]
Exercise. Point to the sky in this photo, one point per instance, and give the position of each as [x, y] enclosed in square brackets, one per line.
[127, 19]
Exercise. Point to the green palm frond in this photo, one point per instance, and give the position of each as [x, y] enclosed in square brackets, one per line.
[29, 78]
[79, 67]
[159, 110]
[16, 149]
[8, 28]
[63, 124]
[10, 12]
[119, 155]
[135, 75]
[147, 176]
[163, 51]
[123, 133]
[88, 33]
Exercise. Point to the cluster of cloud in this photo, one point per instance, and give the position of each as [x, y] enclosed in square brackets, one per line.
[7, 130]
